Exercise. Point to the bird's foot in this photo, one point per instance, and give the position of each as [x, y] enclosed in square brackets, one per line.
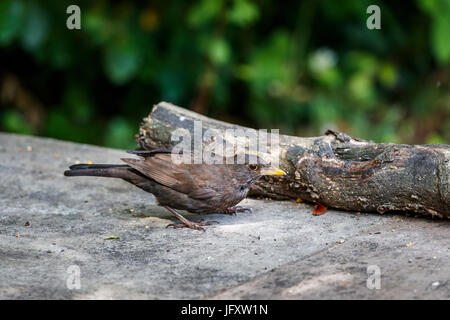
[187, 223]
[191, 225]
[234, 210]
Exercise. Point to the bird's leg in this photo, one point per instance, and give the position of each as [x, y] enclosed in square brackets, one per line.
[185, 222]
[234, 210]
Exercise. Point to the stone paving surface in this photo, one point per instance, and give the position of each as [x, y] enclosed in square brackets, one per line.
[49, 223]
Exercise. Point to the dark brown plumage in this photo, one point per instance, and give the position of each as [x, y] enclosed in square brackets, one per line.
[198, 188]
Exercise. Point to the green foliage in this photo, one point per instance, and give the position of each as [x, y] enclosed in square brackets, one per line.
[301, 66]
[440, 12]
[11, 18]
[243, 12]
[35, 27]
[13, 121]
[122, 61]
[119, 132]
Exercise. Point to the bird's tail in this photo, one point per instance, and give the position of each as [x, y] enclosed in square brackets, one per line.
[99, 170]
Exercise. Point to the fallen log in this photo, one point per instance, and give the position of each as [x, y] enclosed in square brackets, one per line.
[335, 170]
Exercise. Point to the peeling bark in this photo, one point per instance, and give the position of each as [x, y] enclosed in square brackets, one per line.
[335, 170]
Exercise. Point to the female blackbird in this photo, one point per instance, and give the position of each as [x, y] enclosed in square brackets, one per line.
[198, 188]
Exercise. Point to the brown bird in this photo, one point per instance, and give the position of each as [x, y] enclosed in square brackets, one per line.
[197, 188]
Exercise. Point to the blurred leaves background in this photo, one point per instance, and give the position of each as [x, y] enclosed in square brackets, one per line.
[301, 66]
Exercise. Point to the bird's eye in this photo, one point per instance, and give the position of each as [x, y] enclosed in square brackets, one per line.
[253, 167]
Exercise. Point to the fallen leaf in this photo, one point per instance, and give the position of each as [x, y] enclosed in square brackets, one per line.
[112, 237]
[298, 200]
[319, 209]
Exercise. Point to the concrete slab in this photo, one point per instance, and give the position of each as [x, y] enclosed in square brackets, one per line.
[49, 223]
[411, 255]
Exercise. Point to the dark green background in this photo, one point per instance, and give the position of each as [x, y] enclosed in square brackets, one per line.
[301, 66]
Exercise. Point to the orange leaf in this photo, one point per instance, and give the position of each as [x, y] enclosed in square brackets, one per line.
[319, 209]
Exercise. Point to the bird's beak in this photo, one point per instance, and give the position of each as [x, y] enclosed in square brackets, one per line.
[273, 172]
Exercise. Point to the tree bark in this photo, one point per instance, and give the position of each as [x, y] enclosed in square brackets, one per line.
[335, 170]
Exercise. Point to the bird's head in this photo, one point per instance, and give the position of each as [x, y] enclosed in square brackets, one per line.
[256, 170]
[250, 170]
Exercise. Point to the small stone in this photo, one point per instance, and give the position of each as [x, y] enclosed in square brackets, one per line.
[29, 148]
[27, 224]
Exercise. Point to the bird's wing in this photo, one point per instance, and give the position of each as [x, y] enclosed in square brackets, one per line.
[202, 193]
[158, 167]
[182, 178]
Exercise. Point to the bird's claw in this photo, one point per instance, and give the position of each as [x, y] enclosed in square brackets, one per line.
[234, 210]
[192, 225]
